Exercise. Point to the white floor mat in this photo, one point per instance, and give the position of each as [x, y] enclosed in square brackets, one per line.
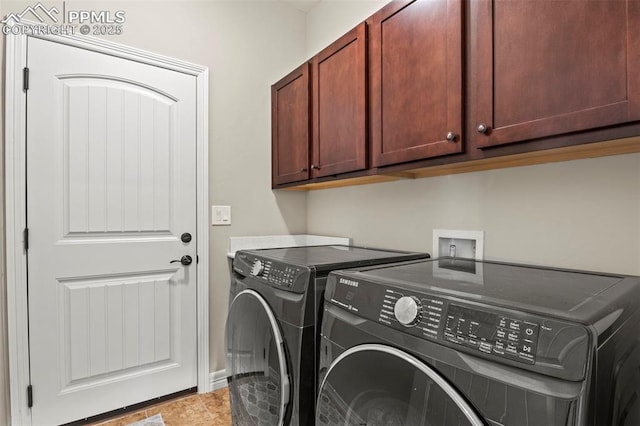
[150, 421]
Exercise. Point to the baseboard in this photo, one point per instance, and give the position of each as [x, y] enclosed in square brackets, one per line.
[218, 380]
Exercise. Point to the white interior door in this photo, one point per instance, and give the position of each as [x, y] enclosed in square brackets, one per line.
[111, 187]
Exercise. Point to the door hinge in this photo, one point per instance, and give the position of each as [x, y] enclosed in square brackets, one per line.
[29, 396]
[25, 78]
[25, 238]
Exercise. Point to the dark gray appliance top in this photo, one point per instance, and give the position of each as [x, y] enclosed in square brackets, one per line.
[328, 258]
[573, 294]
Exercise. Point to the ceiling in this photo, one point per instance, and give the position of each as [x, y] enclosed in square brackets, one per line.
[303, 5]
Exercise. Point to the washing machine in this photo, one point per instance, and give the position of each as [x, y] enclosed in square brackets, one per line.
[272, 328]
[461, 342]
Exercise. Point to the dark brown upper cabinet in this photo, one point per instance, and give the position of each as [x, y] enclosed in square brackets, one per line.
[339, 106]
[545, 68]
[291, 127]
[415, 81]
[428, 87]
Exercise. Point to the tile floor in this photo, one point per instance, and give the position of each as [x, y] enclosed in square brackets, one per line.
[210, 409]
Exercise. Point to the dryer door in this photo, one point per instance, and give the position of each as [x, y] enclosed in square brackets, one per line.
[256, 363]
[381, 385]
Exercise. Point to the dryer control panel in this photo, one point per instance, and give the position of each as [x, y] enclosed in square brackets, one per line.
[275, 274]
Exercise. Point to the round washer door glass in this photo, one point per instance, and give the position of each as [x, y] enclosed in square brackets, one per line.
[256, 364]
[377, 385]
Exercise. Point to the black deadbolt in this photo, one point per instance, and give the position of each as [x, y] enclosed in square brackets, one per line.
[186, 237]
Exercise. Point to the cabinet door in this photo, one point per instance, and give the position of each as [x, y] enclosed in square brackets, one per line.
[290, 133]
[415, 80]
[339, 113]
[549, 67]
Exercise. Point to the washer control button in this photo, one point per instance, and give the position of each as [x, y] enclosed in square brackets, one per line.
[257, 269]
[407, 310]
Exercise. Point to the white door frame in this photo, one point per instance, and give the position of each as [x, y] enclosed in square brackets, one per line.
[15, 203]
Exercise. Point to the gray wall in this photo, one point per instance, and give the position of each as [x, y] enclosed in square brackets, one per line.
[577, 214]
[582, 214]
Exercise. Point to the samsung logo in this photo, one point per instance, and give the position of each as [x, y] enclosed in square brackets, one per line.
[349, 282]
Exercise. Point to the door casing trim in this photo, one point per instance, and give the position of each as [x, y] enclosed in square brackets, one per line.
[15, 203]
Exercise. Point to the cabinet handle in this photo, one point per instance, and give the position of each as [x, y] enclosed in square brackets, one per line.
[451, 136]
[314, 167]
[302, 170]
[483, 128]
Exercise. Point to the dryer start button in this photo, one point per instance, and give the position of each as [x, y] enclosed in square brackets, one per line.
[407, 310]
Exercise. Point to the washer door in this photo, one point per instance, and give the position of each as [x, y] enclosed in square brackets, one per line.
[256, 363]
[379, 385]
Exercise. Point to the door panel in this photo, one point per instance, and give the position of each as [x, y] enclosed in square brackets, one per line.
[542, 70]
[416, 80]
[339, 99]
[108, 325]
[290, 126]
[111, 187]
[123, 185]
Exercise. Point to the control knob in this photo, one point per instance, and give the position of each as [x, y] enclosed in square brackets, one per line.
[257, 269]
[407, 310]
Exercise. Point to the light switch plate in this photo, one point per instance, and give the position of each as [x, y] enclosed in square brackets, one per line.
[220, 215]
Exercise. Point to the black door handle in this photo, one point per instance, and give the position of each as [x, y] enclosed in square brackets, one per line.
[185, 260]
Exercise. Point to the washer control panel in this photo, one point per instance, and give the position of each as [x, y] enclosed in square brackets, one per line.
[484, 327]
[475, 328]
[491, 333]
[438, 318]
